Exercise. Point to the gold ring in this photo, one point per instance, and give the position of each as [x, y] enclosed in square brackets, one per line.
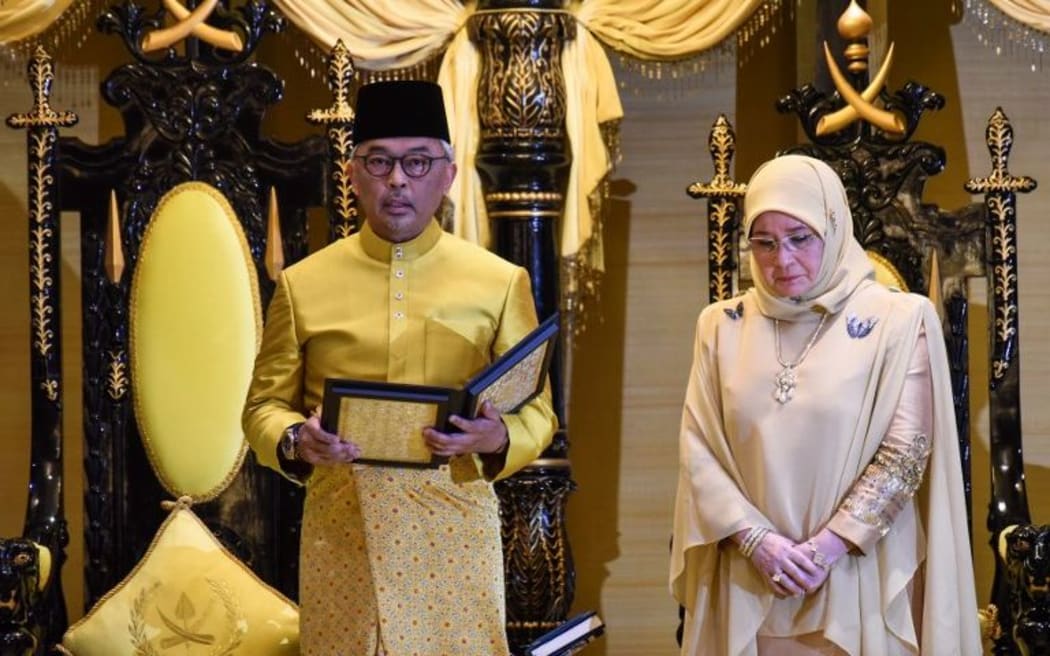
[776, 578]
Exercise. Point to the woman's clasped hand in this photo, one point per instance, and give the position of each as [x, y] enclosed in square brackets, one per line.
[794, 569]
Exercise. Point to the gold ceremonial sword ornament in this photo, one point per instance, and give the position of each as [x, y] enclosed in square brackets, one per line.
[854, 25]
[191, 22]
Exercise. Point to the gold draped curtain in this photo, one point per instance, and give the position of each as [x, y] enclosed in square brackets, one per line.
[1034, 14]
[22, 19]
[392, 34]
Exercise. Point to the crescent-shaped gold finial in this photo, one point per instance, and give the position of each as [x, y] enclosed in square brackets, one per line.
[191, 22]
[859, 105]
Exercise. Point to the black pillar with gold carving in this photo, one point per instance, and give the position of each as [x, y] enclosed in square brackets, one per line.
[523, 159]
[338, 121]
[40, 609]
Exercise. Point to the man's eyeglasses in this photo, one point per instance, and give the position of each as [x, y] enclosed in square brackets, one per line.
[415, 165]
[767, 246]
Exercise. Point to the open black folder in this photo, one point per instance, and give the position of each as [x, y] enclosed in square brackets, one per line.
[568, 638]
[387, 419]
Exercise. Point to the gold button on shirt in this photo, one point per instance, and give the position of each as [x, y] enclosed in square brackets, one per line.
[396, 561]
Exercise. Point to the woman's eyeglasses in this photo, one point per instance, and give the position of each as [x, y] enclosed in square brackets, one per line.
[767, 246]
[415, 165]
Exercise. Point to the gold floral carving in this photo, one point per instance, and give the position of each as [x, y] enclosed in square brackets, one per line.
[41, 77]
[341, 140]
[117, 379]
[999, 137]
[50, 387]
[723, 194]
[721, 143]
[339, 118]
[720, 245]
[522, 90]
[42, 123]
[998, 189]
[41, 283]
[40, 235]
[506, 132]
[1004, 275]
[340, 77]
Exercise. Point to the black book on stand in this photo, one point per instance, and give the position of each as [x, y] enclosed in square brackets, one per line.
[568, 638]
[387, 419]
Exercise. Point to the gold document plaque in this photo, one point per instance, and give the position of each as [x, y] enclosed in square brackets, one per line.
[520, 382]
[387, 419]
[386, 430]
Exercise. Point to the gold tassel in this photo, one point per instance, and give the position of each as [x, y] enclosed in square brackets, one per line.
[114, 253]
[274, 247]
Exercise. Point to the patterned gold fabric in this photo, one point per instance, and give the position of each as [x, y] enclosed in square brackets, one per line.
[417, 566]
[398, 561]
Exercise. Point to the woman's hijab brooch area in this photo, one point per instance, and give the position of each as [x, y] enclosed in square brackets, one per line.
[859, 328]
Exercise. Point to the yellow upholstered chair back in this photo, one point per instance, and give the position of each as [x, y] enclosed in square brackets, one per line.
[195, 327]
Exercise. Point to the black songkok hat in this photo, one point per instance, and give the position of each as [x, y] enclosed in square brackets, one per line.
[400, 108]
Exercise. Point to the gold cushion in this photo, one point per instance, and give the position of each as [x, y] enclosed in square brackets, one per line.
[195, 330]
[188, 595]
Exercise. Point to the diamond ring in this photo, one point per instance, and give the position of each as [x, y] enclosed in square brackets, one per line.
[776, 578]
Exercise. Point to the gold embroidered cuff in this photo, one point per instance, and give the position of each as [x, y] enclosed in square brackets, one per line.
[888, 482]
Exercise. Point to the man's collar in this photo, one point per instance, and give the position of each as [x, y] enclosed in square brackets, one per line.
[380, 249]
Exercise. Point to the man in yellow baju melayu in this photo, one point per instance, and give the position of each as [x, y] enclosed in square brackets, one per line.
[397, 560]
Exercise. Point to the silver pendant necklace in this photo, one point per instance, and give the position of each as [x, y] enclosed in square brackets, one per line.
[786, 381]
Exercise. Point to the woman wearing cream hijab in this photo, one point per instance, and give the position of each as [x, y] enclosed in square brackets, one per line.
[820, 501]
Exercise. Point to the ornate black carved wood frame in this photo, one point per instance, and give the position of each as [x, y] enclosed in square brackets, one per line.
[193, 114]
[884, 179]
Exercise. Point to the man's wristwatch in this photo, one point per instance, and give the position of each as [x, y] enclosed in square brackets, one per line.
[289, 444]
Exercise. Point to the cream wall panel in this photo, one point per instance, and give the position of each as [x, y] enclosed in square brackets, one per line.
[651, 308]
